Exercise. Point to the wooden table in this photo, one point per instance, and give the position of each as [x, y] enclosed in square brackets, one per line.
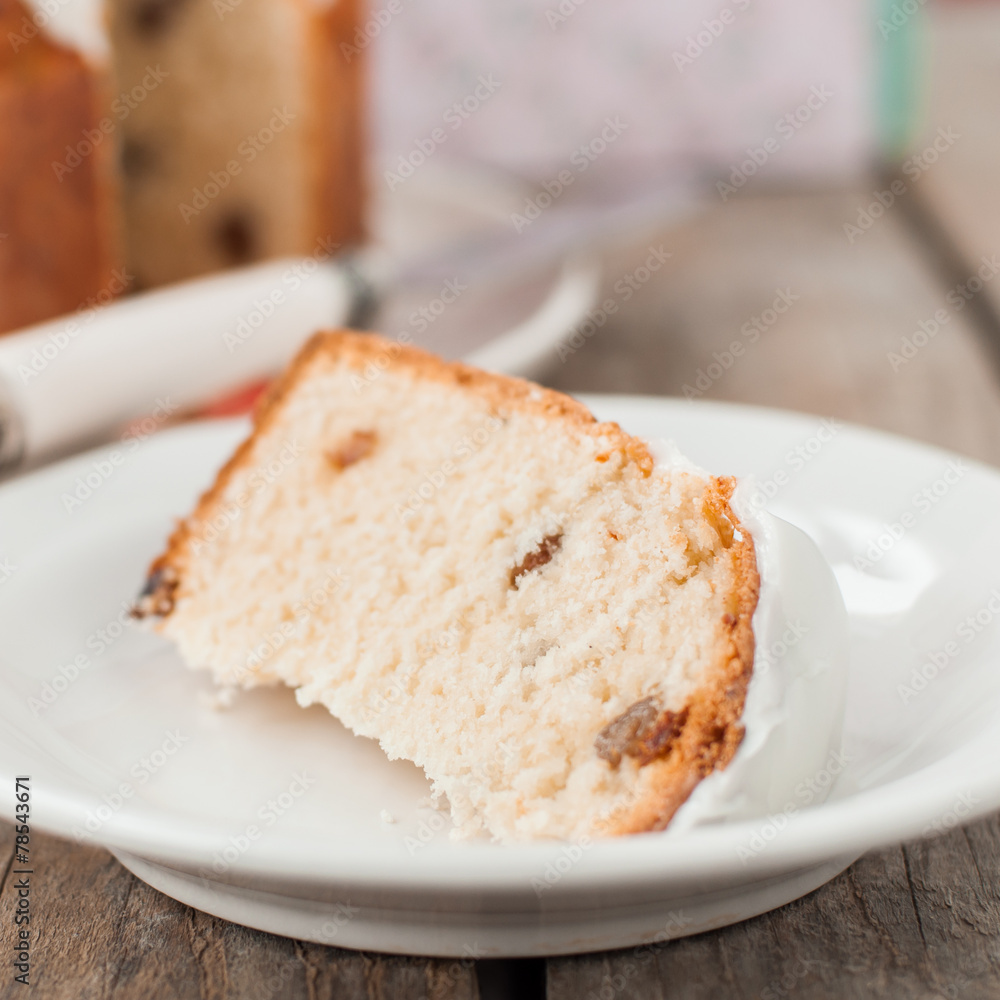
[921, 920]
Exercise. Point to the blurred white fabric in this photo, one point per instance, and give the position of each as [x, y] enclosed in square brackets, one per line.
[699, 83]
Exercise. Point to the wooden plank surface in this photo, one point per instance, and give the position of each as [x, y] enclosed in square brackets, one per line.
[101, 934]
[920, 921]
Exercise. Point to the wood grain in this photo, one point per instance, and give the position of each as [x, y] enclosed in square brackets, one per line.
[828, 354]
[98, 932]
[917, 921]
[913, 922]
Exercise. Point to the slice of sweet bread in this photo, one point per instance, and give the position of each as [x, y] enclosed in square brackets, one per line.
[473, 571]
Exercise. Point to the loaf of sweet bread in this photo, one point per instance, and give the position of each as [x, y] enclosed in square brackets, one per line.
[244, 140]
[148, 141]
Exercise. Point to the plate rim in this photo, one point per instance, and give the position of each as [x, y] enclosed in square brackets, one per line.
[811, 835]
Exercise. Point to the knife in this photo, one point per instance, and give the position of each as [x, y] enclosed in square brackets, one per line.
[79, 378]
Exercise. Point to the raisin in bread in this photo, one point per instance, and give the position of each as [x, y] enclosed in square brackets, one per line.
[169, 139]
[473, 571]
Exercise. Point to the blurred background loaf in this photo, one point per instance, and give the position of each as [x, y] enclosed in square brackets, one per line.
[61, 238]
[161, 139]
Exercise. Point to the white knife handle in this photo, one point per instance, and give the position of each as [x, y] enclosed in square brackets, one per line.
[76, 379]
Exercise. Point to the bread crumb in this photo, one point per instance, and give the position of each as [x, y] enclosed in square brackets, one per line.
[386, 816]
[218, 700]
[438, 802]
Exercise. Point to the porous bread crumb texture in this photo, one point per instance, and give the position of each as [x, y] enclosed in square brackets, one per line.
[489, 587]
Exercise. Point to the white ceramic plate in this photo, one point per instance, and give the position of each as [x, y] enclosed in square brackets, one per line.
[528, 290]
[270, 815]
[511, 325]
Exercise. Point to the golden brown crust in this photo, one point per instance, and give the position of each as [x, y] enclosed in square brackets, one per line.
[357, 351]
[712, 731]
